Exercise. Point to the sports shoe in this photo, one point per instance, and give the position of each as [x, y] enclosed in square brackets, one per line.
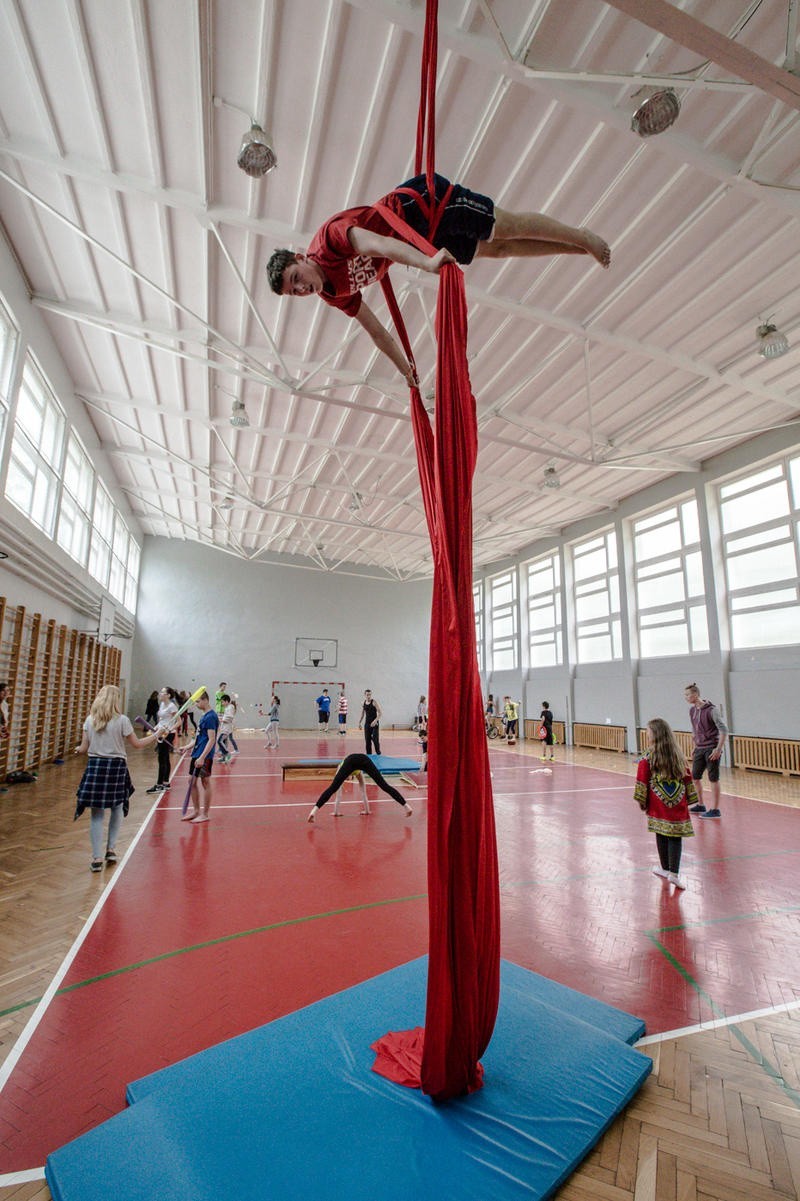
[96, 865]
[155, 788]
[164, 787]
[677, 880]
[659, 871]
[711, 813]
[698, 808]
[111, 856]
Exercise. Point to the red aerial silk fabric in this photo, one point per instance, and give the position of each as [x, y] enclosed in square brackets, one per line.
[464, 900]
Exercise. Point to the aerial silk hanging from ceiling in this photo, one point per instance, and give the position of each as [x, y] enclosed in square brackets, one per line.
[464, 904]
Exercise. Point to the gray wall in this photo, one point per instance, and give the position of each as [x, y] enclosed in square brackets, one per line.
[204, 616]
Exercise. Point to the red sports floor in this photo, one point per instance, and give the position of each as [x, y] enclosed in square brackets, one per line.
[210, 930]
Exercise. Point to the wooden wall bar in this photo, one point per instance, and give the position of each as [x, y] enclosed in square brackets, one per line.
[53, 674]
[603, 738]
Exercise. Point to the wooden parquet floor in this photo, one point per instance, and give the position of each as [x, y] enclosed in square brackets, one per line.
[718, 1120]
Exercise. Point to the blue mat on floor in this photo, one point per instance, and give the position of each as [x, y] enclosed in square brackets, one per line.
[292, 1109]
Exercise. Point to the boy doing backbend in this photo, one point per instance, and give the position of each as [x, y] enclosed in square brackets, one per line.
[356, 247]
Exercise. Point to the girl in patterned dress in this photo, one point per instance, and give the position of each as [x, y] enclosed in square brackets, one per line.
[664, 790]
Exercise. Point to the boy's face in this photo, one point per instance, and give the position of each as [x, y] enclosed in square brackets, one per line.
[692, 696]
[203, 703]
[302, 278]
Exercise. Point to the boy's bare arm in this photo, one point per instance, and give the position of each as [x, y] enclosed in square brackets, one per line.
[377, 246]
[386, 343]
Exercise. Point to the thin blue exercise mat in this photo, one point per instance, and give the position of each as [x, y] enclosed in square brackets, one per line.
[292, 1109]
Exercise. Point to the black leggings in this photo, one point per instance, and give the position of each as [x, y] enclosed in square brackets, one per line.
[354, 763]
[669, 852]
[163, 748]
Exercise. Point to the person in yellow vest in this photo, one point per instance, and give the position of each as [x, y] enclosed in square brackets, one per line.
[511, 714]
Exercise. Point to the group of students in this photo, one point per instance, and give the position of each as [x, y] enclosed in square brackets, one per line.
[666, 789]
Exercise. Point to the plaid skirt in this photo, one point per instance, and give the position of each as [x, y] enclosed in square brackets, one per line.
[105, 784]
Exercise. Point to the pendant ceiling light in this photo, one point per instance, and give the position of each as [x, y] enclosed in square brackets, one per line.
[256, 156]
[239, 416]
[656, 113]
[771, 342]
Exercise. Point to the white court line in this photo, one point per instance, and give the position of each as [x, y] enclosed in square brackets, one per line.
[717, 1023]
[221, 806]
[35, 1019]
[569, 791]
[14, 1055]
[8, 1178]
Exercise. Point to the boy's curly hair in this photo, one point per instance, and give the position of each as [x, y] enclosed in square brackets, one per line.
[279, 260]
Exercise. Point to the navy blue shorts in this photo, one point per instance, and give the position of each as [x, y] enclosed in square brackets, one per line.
[467, 220]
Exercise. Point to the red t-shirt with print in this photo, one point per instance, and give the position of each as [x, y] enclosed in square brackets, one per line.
[346, 272]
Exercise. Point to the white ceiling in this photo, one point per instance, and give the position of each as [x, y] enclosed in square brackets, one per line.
[144, 246]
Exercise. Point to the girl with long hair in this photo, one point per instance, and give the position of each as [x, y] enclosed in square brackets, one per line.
[664, 791]
[272, 729]
[106, 783]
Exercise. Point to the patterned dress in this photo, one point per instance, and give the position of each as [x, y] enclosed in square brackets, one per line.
[666, 802]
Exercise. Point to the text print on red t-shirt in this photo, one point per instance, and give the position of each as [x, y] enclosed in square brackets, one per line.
[360, 272]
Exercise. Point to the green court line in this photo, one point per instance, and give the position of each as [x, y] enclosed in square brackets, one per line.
[213, 942]
[752, 1050]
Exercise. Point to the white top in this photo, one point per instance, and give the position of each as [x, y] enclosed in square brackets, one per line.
[166, 712]
[226, 723]
[110, 742]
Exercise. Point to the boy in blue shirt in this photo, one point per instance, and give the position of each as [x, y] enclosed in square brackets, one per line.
[202, 761]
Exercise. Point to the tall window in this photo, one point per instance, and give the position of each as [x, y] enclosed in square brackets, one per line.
[670, 592]
[8, 341]
[75, 514]
[132, 576]
[598, 628]
[544, 612]
[36, 450]
[504, 618]
[760, 517]
[102, 535]
[477, 605]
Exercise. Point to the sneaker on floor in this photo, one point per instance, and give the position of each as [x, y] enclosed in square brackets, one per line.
[698, 808]
[155, 788]
[711, 813]
[96, 865]
[164, 787]
[111, 856]
[677, 880]
[660, 871]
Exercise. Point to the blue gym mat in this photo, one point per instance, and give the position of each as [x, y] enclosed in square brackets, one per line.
[292, 1109]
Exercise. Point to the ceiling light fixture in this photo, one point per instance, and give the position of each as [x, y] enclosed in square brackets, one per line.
[551, 479]
[239, 416]
[256, 155]
[771, 342]
[656, 113]
[227, 502]
[356, 502]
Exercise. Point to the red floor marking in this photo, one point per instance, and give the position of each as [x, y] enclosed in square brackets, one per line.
[577, 900]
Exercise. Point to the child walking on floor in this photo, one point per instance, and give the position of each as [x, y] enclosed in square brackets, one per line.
[272, 729]
[202, 761]
[664, 791]
[106, 783]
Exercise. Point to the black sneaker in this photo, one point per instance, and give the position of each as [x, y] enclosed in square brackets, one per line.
[155, 788]
[711, 813]
[698, 808]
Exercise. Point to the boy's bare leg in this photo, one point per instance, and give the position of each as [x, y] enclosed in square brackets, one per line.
[537, 227]
[519, 248]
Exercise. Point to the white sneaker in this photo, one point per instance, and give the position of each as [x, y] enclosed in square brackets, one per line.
[659, 871]
[677, 880]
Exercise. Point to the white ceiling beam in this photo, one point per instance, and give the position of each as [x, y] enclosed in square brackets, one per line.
[685, 30]
[598, 105]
